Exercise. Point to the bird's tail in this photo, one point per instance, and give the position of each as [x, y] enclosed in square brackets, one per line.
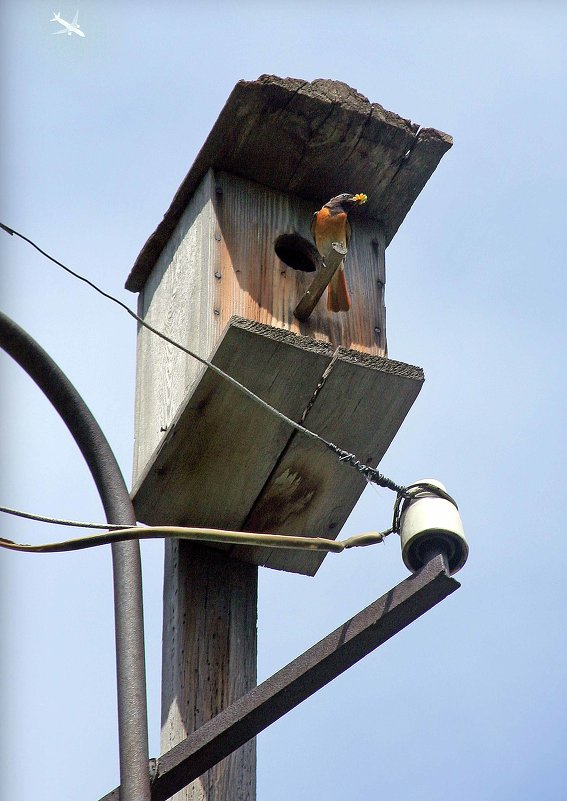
[337, 297]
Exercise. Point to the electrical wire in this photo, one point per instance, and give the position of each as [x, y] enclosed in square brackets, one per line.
[117, 533]
[370, 473]
[59, 521]
[206, 535]
[414, 491]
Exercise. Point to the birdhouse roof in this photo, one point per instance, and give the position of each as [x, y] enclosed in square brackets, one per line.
[311, 139]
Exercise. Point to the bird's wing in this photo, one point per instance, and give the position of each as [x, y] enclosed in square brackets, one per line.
[348, 232]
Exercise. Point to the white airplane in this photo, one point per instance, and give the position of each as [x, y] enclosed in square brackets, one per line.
[68, 27]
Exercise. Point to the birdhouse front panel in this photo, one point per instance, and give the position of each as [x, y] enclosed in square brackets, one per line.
[221, 261]
[254, 282]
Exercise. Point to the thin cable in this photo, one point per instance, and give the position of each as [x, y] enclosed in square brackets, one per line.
[59, 521]
[406, 493]
[208, 535]
[12, 232]
[167, 339]
[344, 456]
[119, 533]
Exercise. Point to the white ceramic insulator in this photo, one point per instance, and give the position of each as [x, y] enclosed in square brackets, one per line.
[428, 520]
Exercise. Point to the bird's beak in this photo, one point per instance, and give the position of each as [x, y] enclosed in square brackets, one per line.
[360, 199]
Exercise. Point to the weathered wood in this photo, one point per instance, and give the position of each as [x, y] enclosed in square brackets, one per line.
[228, 463]
[221, 448]
[220, 262]
[255, 284]
[176, 299]
[209, 658]
[313, 140]
[360, 407]
[423, 157]
[322, 279]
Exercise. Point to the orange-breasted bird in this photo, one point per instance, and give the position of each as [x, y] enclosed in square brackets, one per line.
[330, 224]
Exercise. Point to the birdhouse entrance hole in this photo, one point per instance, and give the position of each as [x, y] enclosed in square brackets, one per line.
[296, 252]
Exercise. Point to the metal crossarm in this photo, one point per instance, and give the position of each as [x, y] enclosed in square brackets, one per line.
[302, 677]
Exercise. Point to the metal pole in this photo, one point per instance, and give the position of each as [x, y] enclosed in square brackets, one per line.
[128, 611]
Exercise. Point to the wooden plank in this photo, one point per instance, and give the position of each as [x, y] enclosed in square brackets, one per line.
[177, 299]
[222, 446]
[344, 134]
[360, 408]
[323, 277]
[255, 284]
[209, 659]
[228, 463]
[310, 139]
[419, 163]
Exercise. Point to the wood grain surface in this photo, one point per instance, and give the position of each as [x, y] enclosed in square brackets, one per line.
[314, 140]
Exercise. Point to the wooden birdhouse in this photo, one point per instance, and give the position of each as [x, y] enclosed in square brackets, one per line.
[223, 273]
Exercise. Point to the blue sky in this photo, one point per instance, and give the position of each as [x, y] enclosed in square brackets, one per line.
[97, 134]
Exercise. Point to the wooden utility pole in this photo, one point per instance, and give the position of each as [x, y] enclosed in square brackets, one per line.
[209, 658]
[206, 455]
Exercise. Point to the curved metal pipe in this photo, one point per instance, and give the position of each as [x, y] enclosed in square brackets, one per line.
[128, 610]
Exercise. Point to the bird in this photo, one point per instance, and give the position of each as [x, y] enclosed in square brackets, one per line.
[330, 224]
